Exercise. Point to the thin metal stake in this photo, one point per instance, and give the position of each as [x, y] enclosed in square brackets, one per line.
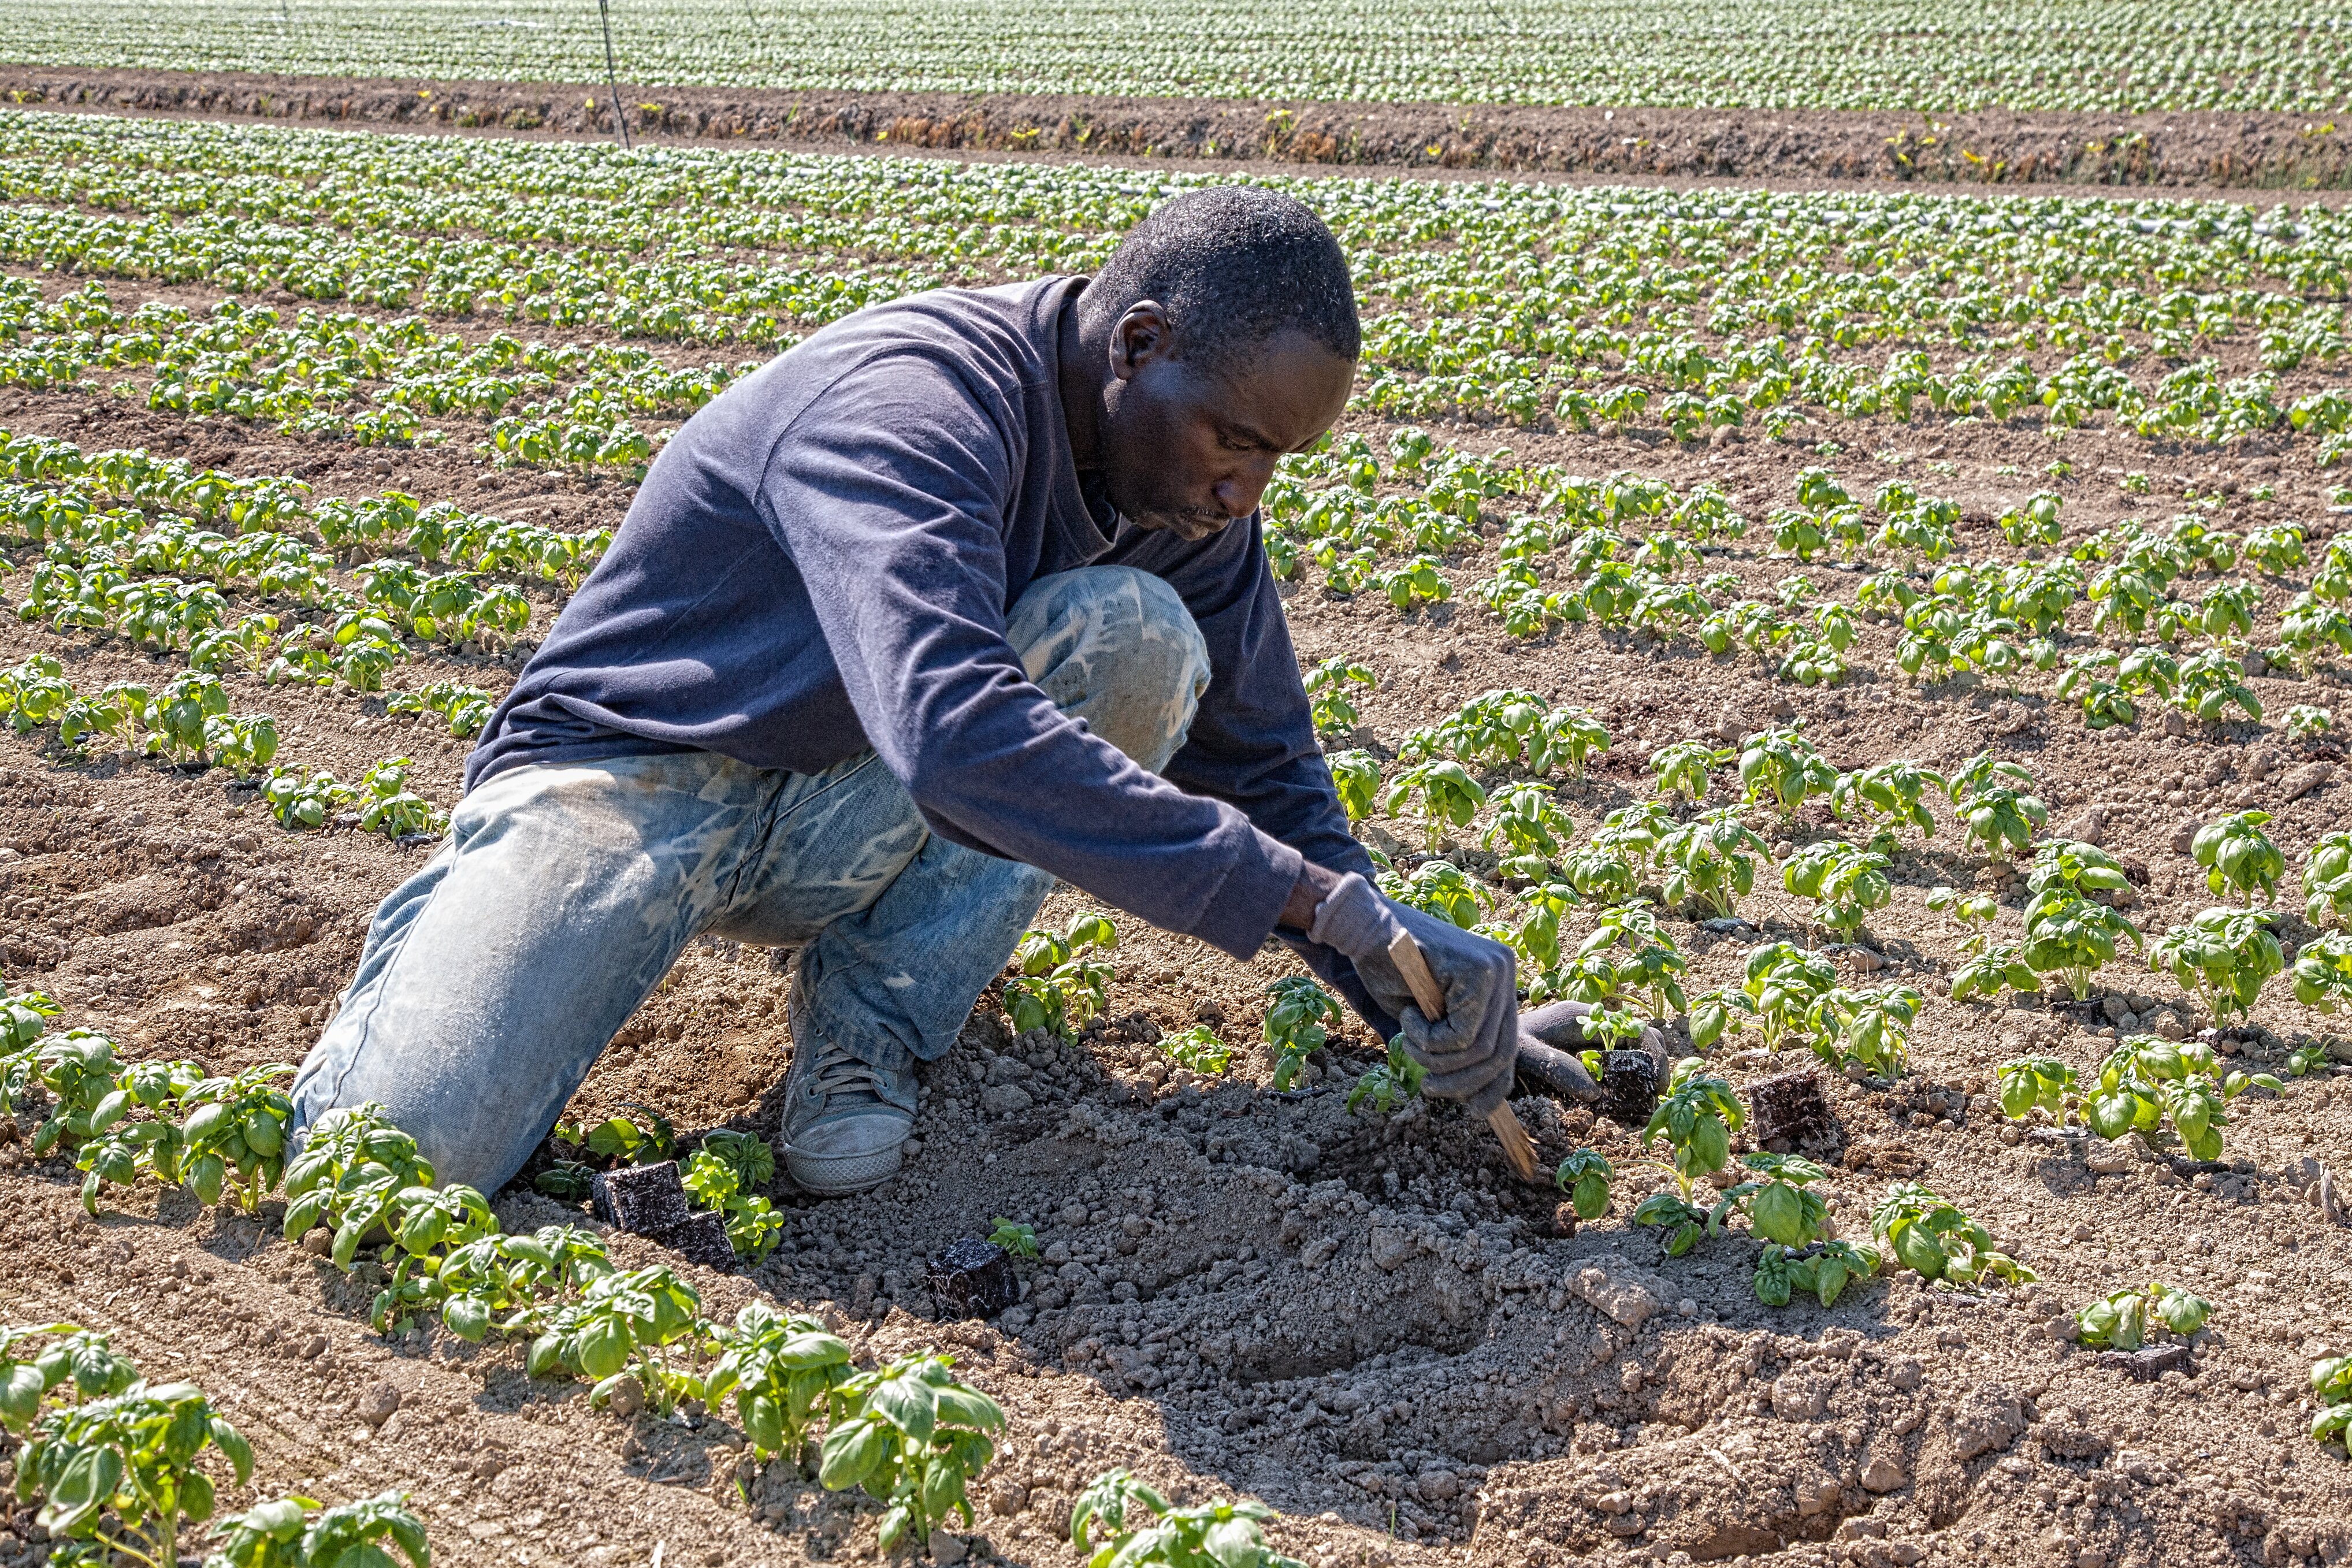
[613, 75]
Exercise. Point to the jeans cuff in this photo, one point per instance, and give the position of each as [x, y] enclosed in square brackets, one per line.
[864, 1036]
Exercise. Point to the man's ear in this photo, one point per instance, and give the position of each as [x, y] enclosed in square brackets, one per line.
[1143, 334]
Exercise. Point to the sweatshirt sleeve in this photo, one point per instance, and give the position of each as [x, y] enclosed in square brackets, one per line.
[1253, 742]
[888, 494]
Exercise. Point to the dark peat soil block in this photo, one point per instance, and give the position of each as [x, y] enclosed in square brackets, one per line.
[973, 1278]
[700, 1237]
[1790, 1106]
[1629, 1087]
[643, 1199]
[2146, 1365]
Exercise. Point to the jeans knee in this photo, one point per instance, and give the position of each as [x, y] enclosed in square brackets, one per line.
[1117, 648]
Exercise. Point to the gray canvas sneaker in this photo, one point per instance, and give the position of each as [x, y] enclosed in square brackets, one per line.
[846, 1123]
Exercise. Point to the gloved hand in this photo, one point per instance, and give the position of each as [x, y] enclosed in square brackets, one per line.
[1468, 1053]
[1549, 1038]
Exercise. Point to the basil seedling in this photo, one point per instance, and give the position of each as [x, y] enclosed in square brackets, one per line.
[782, 1372]
[913, 1436]
[1585, 1176]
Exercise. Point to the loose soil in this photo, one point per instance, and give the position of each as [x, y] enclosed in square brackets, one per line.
[1367, 1323]
[1991, 147]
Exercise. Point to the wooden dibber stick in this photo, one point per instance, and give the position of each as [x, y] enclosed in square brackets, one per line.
[1518, 1147]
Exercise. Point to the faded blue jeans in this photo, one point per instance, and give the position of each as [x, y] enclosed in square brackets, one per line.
[491, 979]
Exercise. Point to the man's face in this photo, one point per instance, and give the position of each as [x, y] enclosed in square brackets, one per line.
[1190, 452]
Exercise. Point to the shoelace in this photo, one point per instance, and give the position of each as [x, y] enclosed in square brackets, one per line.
[843, 1072]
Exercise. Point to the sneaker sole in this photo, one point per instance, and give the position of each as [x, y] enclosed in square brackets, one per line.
[834, 1175]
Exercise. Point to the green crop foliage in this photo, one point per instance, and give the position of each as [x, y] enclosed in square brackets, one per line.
[1328, 688]
[466, 708]
[618, 1329]
[1778, 767]
[2071, 937]
[1017, 1238]
[1895, 791]
[303, 801]
[748, 1153]
[1933, 1237]
[1357, 778]
[2305, 720]
[1519, 728]
[1781, 981]
[2331, 1386]
[2277, 549]
[1686, 768]
[1442, 889]
[716, 1182]
[2222, 957]
[515, 1276]
[2070, 866]
[783, 1371]
[2211, 684]
[301, 1533]
[2030, 1082]
[127, 1149]
[2145, 1083]
[1844, 883]
[2033, 520]
[80, 1361]
[1389, 1085]
[1973, 912]
[1681, 1222]
[1696, 1117]
[1776, 1202]
[79, 1070]
[352, 1163]
[1297, 1022]
[1824, 1270]
[2323, 972]
[1445, 792]
[1712, 859]
[2121, 1321]
[1056, 988]
[2239, 856]
[1871, 1027]
[912, 1436]
[1585, 1176]
[121, 1472]
[1198, 1048]
[1528, 831]
[1997, 810]
[621, 1138]
[1123, 1523]
[2221, 61]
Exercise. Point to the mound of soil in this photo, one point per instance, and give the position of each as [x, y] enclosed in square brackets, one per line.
[1989, 147]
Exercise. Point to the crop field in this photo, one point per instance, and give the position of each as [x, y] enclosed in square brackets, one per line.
[2283, 55]
[1894, 646]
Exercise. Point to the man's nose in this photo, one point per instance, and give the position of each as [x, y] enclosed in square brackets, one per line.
[1237, 494]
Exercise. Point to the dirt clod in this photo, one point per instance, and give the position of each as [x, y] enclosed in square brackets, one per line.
[379, 1404]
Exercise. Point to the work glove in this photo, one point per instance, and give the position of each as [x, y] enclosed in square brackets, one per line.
[1468, 1054]
[1549, 1038]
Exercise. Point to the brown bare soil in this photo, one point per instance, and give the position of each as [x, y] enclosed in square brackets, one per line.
[1991, 147]
[1369, 1323]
